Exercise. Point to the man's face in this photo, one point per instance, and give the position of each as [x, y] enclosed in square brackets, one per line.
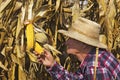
[73, 46]
[76, 48]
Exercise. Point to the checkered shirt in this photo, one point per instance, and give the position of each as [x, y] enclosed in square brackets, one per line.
[108, 68]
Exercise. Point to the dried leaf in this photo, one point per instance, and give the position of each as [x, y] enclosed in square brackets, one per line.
[18, 5]
[19, 54]
[23, 11]
[111, 12]
[8, 49]
[102, 7]
[75, 10]
[57, 59]
[30, 12]
[57, 5]
[103, 39]
[2, 35]
[10, 41]
[109, 31]
[49, 47]
[4, 4]
[14, 59]
[3, 52]
[48, 16]
[67, 63]
[44, 11]
[111, 9]
[67, 10]
[50, 2]
[22, 75]
[56, 32]
[32, 57]
[11, 72]
[118, 4]
[3, 67]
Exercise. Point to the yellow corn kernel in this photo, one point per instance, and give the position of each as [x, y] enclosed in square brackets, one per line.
[38, 48]
[30, 36]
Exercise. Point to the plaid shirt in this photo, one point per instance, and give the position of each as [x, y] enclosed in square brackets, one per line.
[108, 68]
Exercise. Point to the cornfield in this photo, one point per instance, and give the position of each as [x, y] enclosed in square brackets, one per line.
[46, 18]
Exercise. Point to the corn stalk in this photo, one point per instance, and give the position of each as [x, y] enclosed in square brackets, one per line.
[48, 16]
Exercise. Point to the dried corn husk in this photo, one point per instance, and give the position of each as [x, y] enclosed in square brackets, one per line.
[48, 16]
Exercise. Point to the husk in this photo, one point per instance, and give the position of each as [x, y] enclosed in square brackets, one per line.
[49, 16]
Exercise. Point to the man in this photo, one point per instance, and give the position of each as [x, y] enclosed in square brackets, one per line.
[96, 62]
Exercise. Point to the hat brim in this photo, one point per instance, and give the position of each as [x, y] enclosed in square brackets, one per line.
[87, 40]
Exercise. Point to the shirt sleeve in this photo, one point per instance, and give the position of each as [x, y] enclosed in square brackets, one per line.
[59, 73]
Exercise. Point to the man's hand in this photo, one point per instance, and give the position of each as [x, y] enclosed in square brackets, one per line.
[46, 59]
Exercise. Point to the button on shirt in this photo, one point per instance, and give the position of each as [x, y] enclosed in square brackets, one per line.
[108, 68]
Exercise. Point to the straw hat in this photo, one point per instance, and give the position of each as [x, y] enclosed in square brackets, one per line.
[85, 31]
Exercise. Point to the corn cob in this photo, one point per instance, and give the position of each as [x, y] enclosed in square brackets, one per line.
[30, 36]
[38, 48]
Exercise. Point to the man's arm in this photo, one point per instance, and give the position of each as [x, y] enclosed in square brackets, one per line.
[59, 73]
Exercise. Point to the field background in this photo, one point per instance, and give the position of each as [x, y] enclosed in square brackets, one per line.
[48, 16]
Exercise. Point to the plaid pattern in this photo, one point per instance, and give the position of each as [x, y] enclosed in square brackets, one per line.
[108, 68]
